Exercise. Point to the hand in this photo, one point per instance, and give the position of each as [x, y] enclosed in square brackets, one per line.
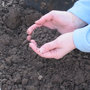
[55, 49]
[61, 20]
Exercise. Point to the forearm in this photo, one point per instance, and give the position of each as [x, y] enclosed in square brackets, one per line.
[81, 39]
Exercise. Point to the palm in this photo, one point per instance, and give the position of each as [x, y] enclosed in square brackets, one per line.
[62, 21]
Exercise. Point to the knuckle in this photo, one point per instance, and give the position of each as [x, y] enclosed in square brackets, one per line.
[53, 11]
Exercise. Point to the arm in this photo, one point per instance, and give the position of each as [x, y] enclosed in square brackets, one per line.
[81, 36]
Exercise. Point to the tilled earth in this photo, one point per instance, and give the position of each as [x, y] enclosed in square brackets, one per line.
[22, 69]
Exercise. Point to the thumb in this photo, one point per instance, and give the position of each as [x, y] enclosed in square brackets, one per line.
[48, 47]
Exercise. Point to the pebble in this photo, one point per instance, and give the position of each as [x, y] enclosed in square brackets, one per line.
[40, 77]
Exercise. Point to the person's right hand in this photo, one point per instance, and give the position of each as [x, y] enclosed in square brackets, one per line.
[61, 20]
[57, 48]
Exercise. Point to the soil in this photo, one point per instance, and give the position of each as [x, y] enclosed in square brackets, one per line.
[43, 35]
[22, 69]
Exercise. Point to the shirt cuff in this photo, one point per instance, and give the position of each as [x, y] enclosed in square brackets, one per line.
[81, 39]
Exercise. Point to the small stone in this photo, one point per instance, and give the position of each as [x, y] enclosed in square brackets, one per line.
[40, 77]
[17, 78]
[16, 59]
[0, 73]
[13, 51]
[4, 80]
[2, 67]
[4, 39]
[8, 60]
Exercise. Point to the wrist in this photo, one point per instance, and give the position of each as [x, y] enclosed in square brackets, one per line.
[77, 22]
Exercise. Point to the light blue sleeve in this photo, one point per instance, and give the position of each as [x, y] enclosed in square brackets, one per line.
[81, 36]
[82, 9]
[81, 39]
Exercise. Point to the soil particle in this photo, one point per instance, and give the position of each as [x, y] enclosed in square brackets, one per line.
[2, 67]
[12, 51]
[12, 18]
[78, 78]
[14, 59]
[8, 60]
[4, 80]
[87, 65]
[40, 77]
[31, 17]
[17, 78]
[24, 81]
[4, 39]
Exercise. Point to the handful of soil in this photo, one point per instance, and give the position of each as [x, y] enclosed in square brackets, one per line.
[43, 35]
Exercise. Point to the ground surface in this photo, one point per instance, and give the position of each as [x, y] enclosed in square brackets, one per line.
[22, 69]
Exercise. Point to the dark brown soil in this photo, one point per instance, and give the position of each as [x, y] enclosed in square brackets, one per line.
[43, 35]
[22, 69]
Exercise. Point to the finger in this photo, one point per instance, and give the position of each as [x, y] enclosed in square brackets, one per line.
[32, 28]
[44, 19]
[28, 37]
[48, 47]
[34, 42]
[34, 47]
[50, 54]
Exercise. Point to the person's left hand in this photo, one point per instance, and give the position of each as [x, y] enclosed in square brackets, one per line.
[56, 48]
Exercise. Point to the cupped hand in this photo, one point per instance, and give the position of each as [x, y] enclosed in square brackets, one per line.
[56, 48]
[63, 21]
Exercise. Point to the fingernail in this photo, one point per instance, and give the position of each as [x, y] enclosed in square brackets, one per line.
[36, 22]
[27, 31]
[30, 44]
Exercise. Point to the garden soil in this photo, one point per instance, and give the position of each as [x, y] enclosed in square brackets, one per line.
[23, 69]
